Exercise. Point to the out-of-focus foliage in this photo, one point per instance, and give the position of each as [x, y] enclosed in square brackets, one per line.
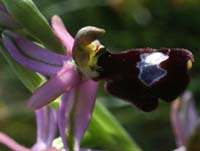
[129, 24]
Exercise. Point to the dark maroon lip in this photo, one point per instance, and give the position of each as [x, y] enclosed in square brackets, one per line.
[144, 87]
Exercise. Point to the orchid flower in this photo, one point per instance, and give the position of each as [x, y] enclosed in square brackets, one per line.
[185, 123]
[140, 76]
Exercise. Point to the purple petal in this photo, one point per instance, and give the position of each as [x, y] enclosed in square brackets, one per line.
[184, 118]
[87, 92]
[178, 128]
[34, 51]
[41, 124]
[65, 79]
[10, 143]
[52, 122]
[76, 110]
[46, 128]
[42, 68]
[62, 33]
[192, 118]
[63, 121]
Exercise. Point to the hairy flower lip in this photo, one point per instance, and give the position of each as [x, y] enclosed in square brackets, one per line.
[122, 76]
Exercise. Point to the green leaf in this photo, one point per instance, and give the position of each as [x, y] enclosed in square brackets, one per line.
[27, 14]
[105, 132]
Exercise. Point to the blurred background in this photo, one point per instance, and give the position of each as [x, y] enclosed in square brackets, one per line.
[129, 24]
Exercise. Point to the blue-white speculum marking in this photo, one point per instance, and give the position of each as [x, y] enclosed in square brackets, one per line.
[149, 67]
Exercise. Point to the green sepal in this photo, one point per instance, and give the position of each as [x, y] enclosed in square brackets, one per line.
[27, 14]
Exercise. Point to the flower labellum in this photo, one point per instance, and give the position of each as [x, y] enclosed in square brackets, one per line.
[142, 76]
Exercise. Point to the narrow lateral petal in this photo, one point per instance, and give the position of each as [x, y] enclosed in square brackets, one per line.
[75, 112]
[65, 79]
[52, 122]
[63, 115]
[37, 66]
[41, 124]
[36, 52]
[44, 55]
[10, 143]
[46, 128]
[178, 127]
[184, 118]
[86, 97]
[62, 34]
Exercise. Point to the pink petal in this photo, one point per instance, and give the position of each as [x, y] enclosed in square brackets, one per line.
[79, 102]
[63, 115]
[87, 92]
[41, 54]
[10, 143]
[52, 122]
[184, 118]
[64, 80]
[62, 33]
[34, 65]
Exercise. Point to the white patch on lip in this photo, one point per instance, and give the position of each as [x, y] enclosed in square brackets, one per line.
[149, 66]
